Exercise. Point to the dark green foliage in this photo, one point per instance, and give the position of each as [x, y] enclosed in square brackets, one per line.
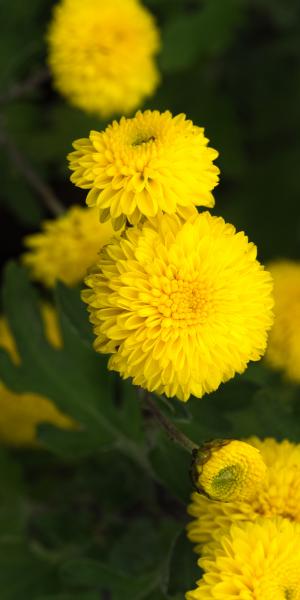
[100, 512]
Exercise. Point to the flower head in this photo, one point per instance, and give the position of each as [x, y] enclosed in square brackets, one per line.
[228, 470]
[283, 351]
[66, 247]
[253, 561]
[278, 495]
[21, 413]
[180, 307]
[101, 54]
[146, 165]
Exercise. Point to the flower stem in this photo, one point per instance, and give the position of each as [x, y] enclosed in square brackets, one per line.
[41, 188]
[171, 430]
[23, 88]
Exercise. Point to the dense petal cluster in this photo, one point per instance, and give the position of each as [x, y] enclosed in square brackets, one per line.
[102, 54]
[283, 351]
[21, 413]
[279, 495]
[181, 307]
[142, 166]
[253, 561]
[66, 247]
[228, 470]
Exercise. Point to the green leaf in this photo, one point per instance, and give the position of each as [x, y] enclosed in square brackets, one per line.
[70, 304]
[12, 502]
[73, 596]
[22, 573]
[184, 571]
[269, 414]
[171, 465]
[71, 445]
[142, 547]
[75, 378]
[87, 573]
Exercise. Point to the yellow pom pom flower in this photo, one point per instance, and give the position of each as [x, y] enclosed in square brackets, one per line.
[181, 307]
[283, 351]
[278, 495]
[21, 413]
[142, 166]
[228, 470]
[253, 561]
[102, 54]
[66, 247]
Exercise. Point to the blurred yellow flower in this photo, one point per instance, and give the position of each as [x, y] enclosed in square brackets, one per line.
[66, 247]
[283, 351]
[21, 413]
[142, 166]
[181, 307]
[228, 470]
[252, 561]
[279, 495]
[101, 54]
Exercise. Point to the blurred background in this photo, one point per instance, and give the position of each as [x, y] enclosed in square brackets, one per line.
[233, 66]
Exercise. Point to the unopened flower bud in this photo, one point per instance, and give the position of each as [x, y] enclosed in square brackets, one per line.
[228, 470]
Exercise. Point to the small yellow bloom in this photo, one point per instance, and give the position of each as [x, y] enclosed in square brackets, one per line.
[279, 495]
[21, 413]
[101, 54]
[181, 307]
[252, 561]
[283, 351]
[228, 470]
[146, 165]
[66, 247]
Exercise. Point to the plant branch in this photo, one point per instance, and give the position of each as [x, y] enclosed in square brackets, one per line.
[171, 430]
[22, 88]
[32, 177]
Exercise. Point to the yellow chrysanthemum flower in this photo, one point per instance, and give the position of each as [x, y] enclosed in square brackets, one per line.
[252, 561]
[142, 166]
[279, 495]
[66, 247]
[228, 470]
[180, 306]
[21, 413]
[283, 351]
[101, 54]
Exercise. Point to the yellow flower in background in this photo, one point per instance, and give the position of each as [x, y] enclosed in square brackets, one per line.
[283, 351]
[228, 470]
[146, 165]
[180, 307]
[66, 247]
[21, 413]
[102, 54]
[279, 495]
[252, 561]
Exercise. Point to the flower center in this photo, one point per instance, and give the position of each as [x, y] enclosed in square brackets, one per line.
[143, 139]
[226, 480]
[184, 302]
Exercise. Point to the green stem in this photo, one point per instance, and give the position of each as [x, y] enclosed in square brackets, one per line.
[171, 430]
[41, 188]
